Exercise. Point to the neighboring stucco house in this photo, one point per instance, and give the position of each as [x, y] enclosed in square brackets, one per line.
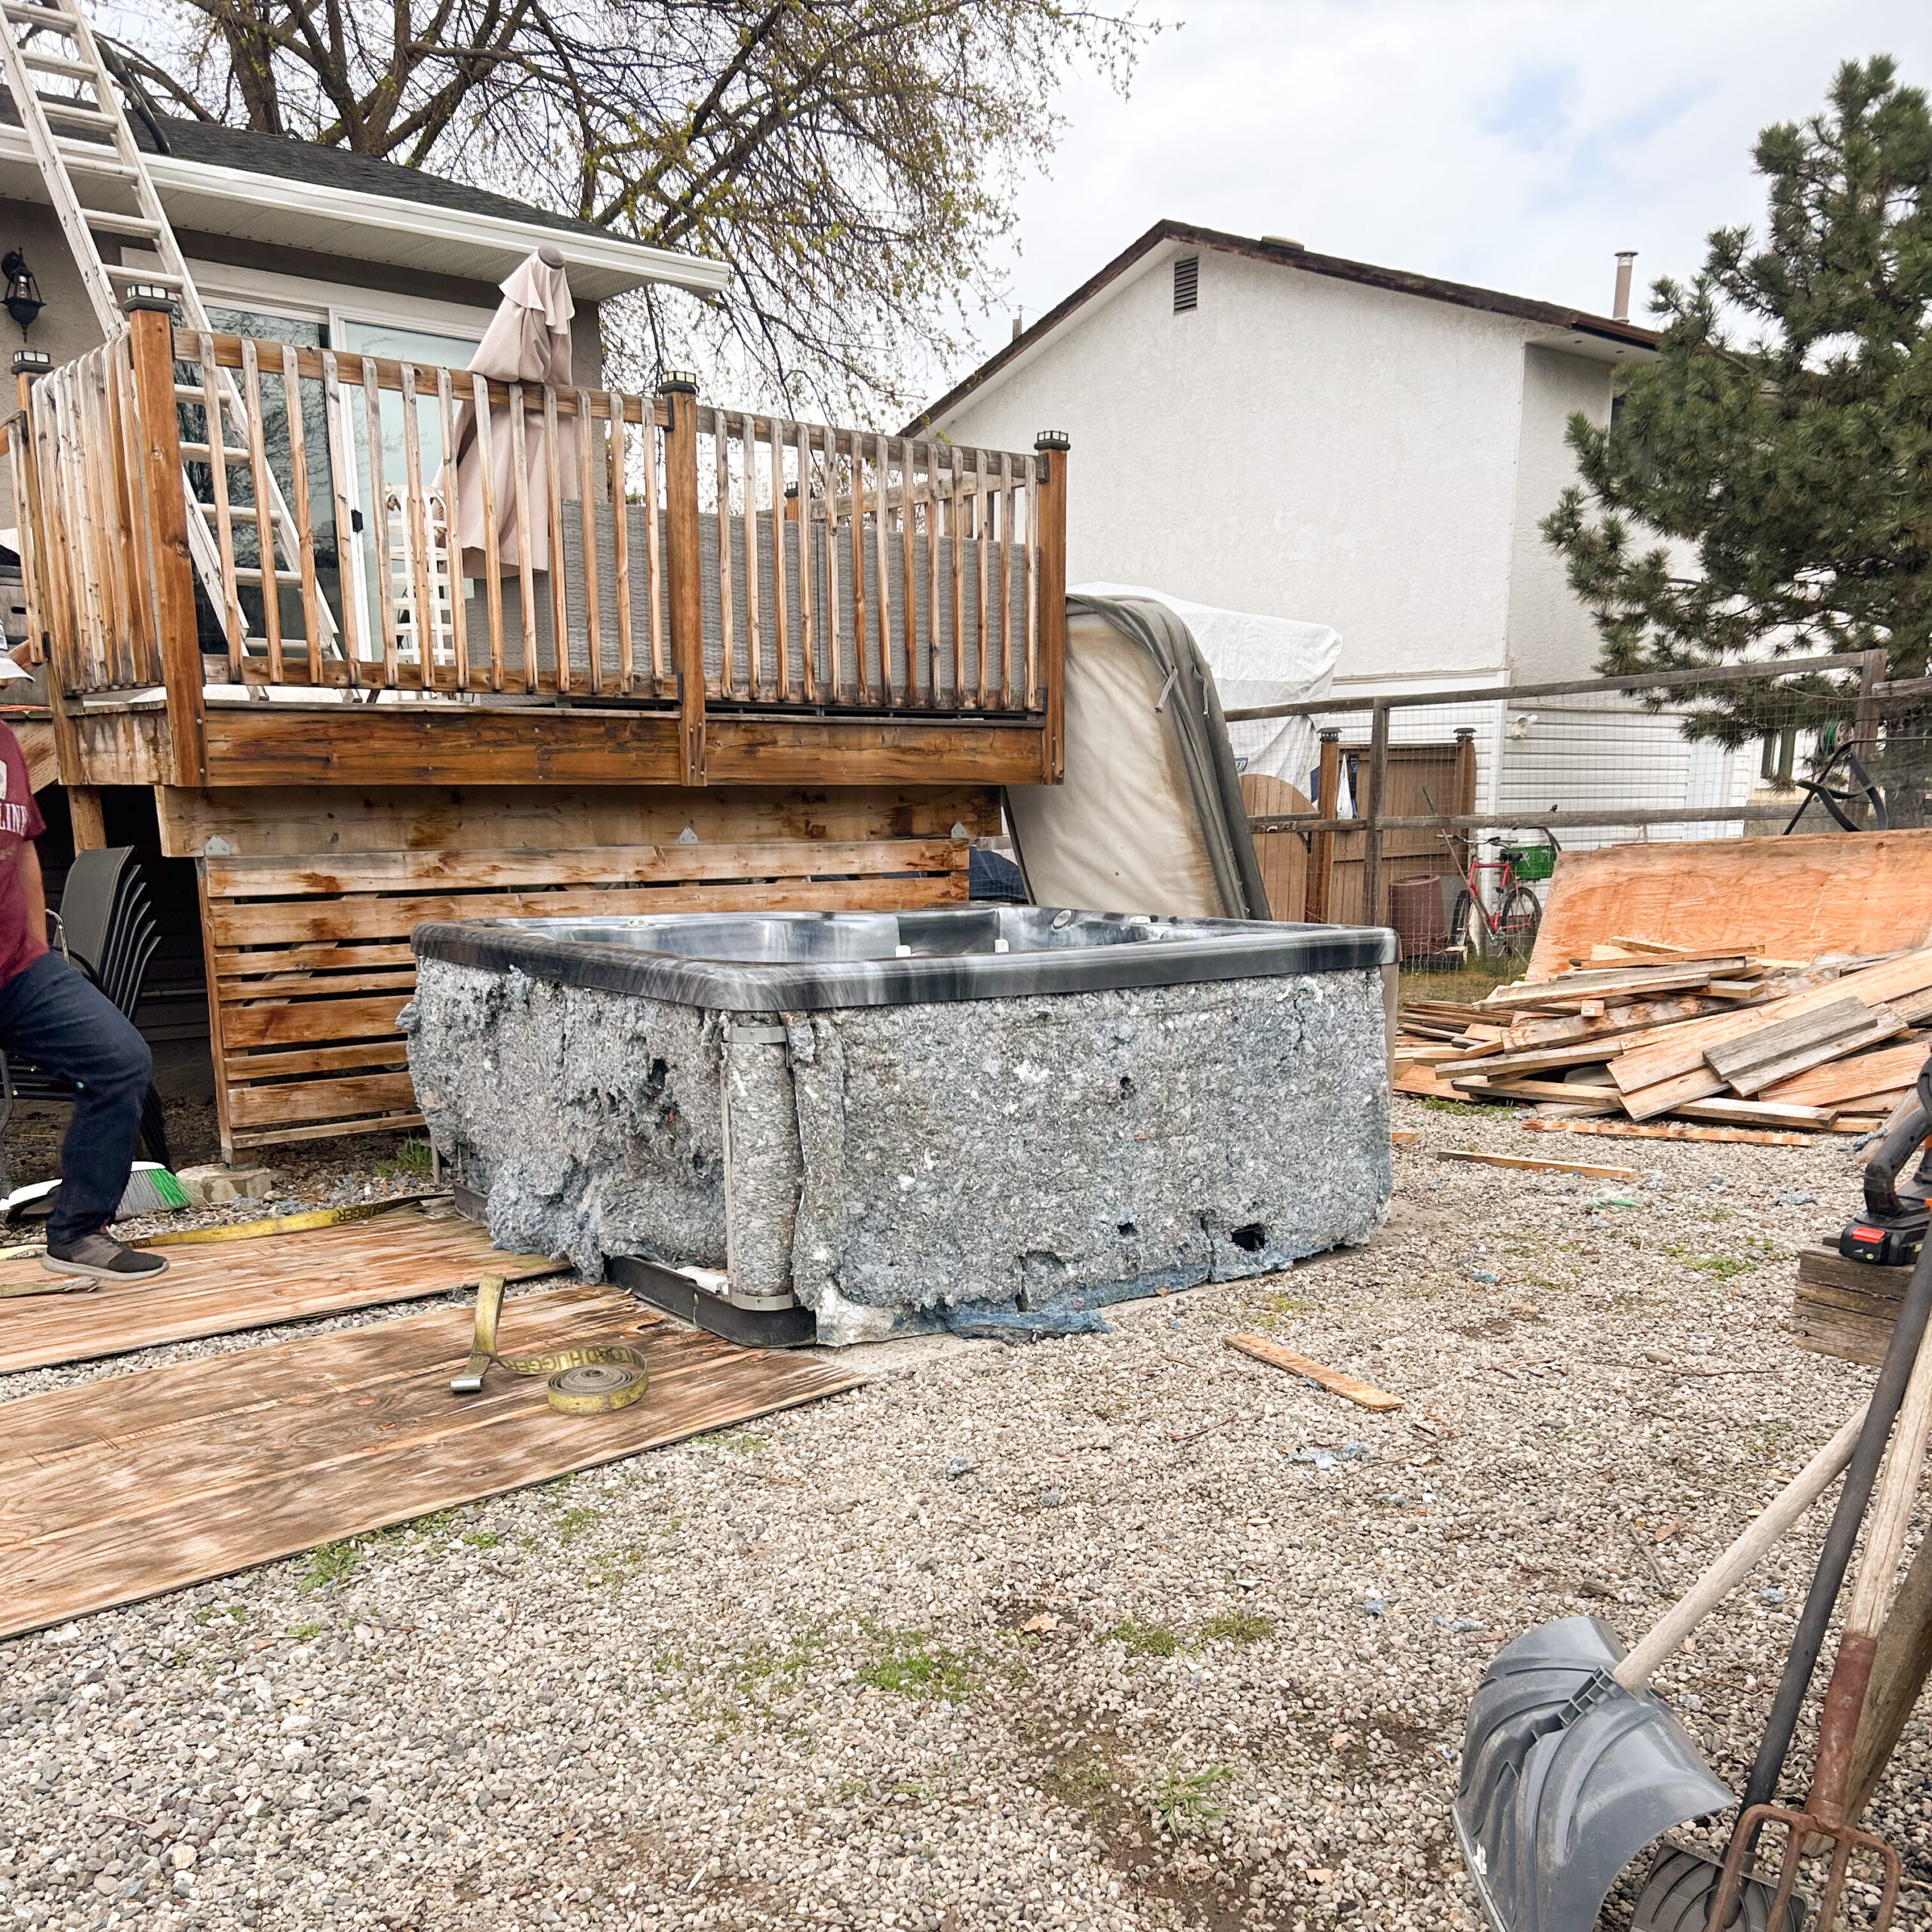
[1262, 428]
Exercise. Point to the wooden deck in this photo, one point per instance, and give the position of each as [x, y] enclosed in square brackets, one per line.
[777, 664]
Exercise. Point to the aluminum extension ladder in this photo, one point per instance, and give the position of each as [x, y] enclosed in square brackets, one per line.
[107, 152]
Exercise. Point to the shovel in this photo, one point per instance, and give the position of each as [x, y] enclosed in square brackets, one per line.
[1678, 1891]
[1571, 1766]
[1823, 1817]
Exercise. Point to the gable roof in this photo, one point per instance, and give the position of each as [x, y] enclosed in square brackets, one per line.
[1628, 336]
[228, 181]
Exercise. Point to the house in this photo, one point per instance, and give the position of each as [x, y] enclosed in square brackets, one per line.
[699, 658]
[348, 250]
[1261, 427]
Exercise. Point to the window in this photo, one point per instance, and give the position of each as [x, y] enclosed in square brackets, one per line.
[1187, 283]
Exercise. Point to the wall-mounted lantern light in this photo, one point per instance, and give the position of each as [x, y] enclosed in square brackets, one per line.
[22, 296]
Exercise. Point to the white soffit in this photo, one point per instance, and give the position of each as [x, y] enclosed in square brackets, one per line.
[421, 236]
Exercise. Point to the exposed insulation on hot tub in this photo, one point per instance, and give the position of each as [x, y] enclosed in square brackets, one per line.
[596, 1121]
[887, 1162]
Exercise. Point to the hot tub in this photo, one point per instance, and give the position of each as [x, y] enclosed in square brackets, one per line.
[860, 1123]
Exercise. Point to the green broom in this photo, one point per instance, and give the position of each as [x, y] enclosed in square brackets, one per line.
[151, 1189]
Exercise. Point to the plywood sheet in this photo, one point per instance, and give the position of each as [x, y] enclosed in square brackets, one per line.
[125, 1488]
[231, 1286]
[1865, 892]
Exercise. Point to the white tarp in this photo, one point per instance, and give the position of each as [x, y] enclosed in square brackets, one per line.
[1258, 660]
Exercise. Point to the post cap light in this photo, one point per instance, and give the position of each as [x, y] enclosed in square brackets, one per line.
[1052, 439]
[685, 381]
[146, 295]
[31, 362]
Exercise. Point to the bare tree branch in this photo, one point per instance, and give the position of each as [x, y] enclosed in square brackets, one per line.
[854, 161]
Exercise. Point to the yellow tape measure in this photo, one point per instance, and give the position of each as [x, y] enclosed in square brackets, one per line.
[583, 1382]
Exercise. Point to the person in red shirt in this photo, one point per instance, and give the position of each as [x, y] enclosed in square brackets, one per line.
[52, 1015]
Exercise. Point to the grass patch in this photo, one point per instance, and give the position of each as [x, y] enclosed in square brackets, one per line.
[744, 1443]
[482, 1539]
[1285, 1304]
[1469, 1109]
[1239, 1627]
[907, 1664]
[330, 1565]
[573, 1523]
[1725, 1267]
[1182, 1802]
[413, 1157]
[1143, 1639]
[1468, 984]
[302, 1632]
[234, 1612]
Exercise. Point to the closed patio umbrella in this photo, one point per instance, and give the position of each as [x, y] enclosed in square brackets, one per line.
[528, 341]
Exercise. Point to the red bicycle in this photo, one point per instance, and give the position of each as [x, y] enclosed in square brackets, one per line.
[1509, 932]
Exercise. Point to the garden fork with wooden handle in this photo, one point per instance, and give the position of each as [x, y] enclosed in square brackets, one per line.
[1824, 1813]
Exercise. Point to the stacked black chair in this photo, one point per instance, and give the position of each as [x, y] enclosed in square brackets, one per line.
[107, 923]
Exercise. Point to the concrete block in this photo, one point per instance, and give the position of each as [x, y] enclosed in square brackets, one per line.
[213, 1185]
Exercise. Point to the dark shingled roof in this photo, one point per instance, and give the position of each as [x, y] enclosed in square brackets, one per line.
[283, 158]
[1292, 255]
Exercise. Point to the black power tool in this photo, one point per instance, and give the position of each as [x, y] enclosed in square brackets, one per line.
[1892, 1230]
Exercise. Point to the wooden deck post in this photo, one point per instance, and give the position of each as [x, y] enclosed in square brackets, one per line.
[151, 324]
[1371, 805]
[1051, 449]
[684, 594]
[1321, 844]
[51, 652]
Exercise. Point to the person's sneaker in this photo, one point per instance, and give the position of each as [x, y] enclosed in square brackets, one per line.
[103, 1258]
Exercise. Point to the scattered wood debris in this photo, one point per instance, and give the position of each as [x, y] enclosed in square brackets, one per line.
[1671, 1129]
[1737, 1045]
[1360, 1393]
[1536, 1165]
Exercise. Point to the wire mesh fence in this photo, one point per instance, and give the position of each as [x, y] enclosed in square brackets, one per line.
[1442, 810]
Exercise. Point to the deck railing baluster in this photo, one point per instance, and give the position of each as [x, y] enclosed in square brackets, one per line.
[852, 619]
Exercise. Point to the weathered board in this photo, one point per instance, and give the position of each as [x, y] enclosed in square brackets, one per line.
[1866, 892]
[122, 1489]
[231, 1286]
[308, 899]
[1844, 1308]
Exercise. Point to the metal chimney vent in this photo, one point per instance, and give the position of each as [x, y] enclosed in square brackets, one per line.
[1187, 283]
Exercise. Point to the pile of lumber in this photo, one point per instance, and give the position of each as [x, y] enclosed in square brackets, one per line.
[1650, 1040]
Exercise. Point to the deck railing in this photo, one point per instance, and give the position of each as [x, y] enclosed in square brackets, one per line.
[221, 515]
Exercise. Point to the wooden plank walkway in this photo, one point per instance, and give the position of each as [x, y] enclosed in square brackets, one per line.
[230, 1286]
[125, 1488]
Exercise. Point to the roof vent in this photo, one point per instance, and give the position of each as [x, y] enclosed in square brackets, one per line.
[1187, 283]
[1282, 241]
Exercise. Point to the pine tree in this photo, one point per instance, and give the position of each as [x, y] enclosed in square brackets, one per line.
[1764, 487]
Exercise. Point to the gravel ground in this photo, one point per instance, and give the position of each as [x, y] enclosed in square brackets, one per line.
[1126, 1631]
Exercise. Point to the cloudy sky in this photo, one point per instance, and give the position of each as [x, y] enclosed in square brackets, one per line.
[1516, 144]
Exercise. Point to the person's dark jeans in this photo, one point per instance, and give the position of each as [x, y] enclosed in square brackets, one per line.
[56, 1017]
